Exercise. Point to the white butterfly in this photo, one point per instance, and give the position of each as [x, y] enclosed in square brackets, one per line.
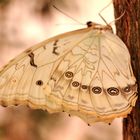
[86, 72]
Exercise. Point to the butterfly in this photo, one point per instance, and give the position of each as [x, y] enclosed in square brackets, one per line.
[86, 73]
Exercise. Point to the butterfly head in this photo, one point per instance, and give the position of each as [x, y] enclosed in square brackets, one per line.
[97, 26]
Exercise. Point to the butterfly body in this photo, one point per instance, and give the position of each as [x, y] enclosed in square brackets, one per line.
[85, 73]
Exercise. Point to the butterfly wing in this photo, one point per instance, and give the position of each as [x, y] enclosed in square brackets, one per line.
[99, 85]
[23, 78]
[85, 73]
[111, 89]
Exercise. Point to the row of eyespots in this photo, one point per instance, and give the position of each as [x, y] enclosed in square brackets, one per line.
[113, 91]
[97, 90]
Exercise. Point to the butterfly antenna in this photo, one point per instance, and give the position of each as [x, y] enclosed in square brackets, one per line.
[67, 15]
[117, 18]
[102, 11]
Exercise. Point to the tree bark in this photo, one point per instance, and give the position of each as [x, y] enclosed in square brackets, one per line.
[128, 29]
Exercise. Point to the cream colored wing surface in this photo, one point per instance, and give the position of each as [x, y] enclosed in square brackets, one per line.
[22, 79]
[96, 82]
[85, 73]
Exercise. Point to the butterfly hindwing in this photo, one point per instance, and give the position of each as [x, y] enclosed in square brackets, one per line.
[97, 83]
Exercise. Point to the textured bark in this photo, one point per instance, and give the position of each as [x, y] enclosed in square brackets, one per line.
[128, 29]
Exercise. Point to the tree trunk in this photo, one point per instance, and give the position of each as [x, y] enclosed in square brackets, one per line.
[128, 29]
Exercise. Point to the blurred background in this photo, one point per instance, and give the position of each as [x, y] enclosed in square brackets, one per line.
[24, 23]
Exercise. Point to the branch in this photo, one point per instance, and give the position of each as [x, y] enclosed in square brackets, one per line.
[128, 29]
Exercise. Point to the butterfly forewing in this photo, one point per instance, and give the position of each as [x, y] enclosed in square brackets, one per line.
[22, 80]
